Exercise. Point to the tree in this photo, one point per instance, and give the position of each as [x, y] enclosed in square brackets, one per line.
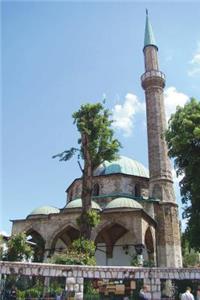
[1, 246]
[183, 139]
[190, 256]
[97, 144]
[18, 248]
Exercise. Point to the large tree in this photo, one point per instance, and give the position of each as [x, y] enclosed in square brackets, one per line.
[183, 138]
[97, 144]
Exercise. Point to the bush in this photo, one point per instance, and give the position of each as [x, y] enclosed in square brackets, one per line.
[91, 217]
[72, 258]
[82, 245]
[81, 252]
[21, 295]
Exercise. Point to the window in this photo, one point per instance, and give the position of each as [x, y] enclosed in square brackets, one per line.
[137, 190]
[96, 189]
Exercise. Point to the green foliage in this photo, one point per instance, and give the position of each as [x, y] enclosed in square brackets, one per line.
[148, 263]
[23, 282]
[134, 261]
[72, 258]
[191, 258]
[21, 294]
[1, 247]
[94, 121]
[81, 252]
[91, 218]
[183, 139]
[89, 289]
[82, 245]
[18, 249]
[34, 292]
[67, 258]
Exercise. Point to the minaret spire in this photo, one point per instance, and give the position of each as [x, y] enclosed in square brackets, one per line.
[149, 38]
[160, 182]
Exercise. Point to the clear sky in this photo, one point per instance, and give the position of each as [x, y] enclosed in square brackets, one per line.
[58, 55]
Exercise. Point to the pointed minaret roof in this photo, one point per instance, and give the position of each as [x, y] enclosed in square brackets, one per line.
[149, 39]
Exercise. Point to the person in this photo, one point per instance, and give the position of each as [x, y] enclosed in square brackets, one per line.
[187, 295]
[198, 294]
[143, 293]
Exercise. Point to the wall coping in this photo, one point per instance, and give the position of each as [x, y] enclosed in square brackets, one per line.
[54, 270]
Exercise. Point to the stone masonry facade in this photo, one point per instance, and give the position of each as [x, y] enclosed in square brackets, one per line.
[160, 183]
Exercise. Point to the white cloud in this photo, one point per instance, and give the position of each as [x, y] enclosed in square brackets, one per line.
[2, 232]
[195, 63]
[173, 98]
[176, 179]
[123, 114]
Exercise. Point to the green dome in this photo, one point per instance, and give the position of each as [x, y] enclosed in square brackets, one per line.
[77, 203]
[45, 210]
[123, 202]
[122, 165]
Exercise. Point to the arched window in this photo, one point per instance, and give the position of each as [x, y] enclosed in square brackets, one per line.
[137, 190]
[96, 189]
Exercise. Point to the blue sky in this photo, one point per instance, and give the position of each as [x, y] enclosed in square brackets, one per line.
[58, 55]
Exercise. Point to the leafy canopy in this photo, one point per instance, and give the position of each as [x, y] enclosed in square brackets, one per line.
[94, 121]
[81, 252]
[183, 138]
[18, 248]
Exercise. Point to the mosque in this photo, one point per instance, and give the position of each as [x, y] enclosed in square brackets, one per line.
[139, 214]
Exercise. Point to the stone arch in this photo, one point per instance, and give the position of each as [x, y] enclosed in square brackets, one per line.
[107, 223]
[37, 242]
[149, 243]
[109, 233]
[66, 236]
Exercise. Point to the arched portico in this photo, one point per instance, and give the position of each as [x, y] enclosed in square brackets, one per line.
[115, 244]
[149, 245]
[63, 238]
[37, 242]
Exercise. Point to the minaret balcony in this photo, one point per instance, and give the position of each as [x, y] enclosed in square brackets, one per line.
[153, 78]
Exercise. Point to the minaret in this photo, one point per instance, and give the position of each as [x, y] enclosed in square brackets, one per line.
[160, 184]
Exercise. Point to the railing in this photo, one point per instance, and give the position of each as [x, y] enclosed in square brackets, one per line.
[152, 73]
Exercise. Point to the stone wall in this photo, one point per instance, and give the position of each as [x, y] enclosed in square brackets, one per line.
[75, 275]
[63, 226]
[112, 184]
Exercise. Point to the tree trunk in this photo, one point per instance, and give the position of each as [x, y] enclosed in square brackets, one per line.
[86, 194]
